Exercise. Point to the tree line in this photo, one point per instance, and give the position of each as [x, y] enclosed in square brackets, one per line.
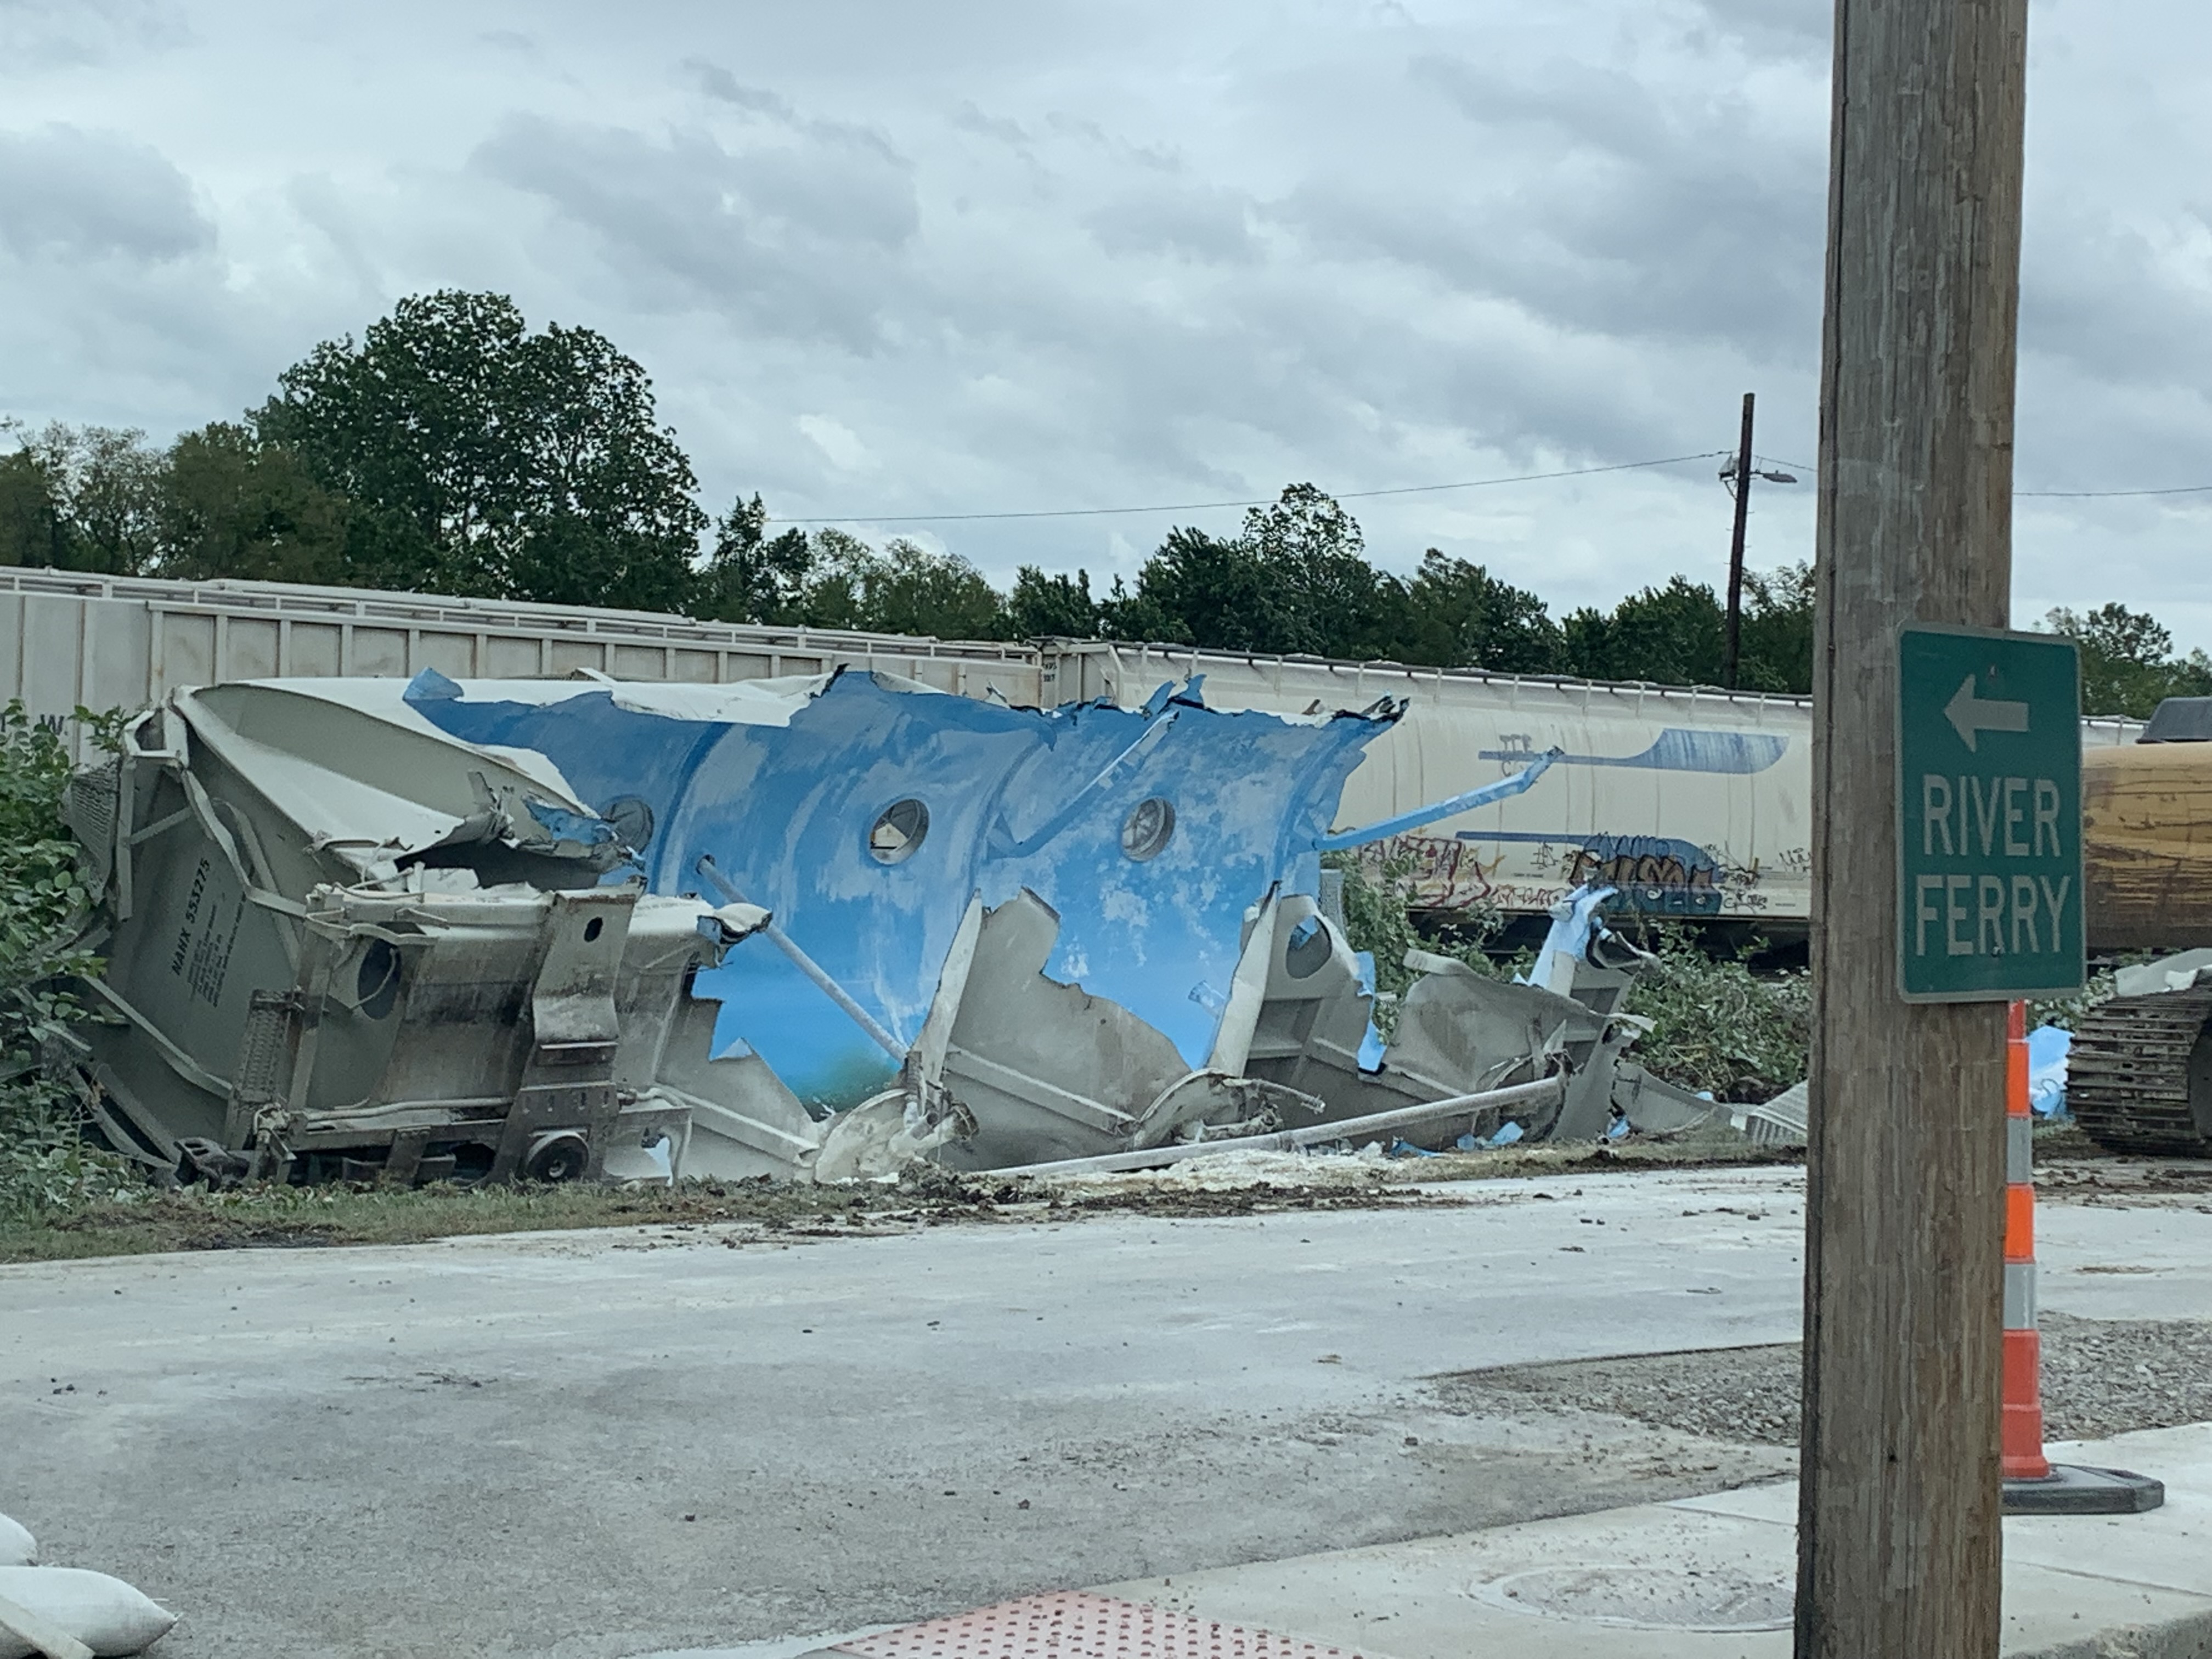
[452, 450]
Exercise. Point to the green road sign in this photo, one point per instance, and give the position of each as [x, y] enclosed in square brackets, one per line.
[1989, 807]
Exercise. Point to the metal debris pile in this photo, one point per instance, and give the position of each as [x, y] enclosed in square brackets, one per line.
[813, 929]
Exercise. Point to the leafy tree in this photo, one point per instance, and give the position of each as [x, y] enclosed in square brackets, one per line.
[833, 587]
[908, 589]
[30, 511]
[1138, 617]
[83, 498]
[1043, 606]
[750, 576]
[1312, 555]
[2128, 665]
[832, 578]
[1294, 579]
[492, 461]
[1459, 615]
[1671, 635]
[1778, 631]
[234, 505]
[1198, 590]
[44, 1162]
[2117, 634]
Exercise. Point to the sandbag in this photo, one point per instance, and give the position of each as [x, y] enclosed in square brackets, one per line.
[105, 1614]
[18, 1547]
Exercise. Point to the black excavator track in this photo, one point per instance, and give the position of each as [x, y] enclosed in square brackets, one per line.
[2139, 1075]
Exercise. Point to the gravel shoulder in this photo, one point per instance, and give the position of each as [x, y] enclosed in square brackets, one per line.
[2100, 1377]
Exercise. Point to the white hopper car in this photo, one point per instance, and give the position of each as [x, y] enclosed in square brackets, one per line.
[1693, 802]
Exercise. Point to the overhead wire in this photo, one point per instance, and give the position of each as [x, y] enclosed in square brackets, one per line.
[2067, 494]
[1412, 490]
[1202, 506]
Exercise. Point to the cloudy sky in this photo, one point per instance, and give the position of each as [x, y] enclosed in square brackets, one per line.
[888, 262]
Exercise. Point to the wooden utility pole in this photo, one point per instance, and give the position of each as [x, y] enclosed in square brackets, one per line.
[1736, 549]
[1897, 1539]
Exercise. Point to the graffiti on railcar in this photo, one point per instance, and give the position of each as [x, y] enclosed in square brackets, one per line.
[1658, 875]
[1526, 871]
[1437, 873]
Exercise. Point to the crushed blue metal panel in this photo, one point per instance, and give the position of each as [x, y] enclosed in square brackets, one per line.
[865, 811]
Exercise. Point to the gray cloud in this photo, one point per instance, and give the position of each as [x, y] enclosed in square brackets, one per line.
[790, 234]
[1177, 216]
[39, 35]
[72, 194]
[1135, 252]
[2145, 365]
[1792, 28]
[1620, 214]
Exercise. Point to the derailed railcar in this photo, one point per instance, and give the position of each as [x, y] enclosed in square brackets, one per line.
[423, 929]
[365, 950]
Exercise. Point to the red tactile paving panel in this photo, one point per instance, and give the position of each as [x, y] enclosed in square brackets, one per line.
[1068, 1625]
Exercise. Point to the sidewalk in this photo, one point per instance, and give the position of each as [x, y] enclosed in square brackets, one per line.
[1625, 1582]
[1702, 1578]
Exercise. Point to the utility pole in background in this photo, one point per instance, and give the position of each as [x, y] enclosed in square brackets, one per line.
[1737, 475]
[1899, 1546]
[1742, 485]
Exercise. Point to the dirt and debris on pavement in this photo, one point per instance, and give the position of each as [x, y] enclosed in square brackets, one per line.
[261, 1218]
[2072, 1169]
[268, 1216]
[2100, 1377]
[1245, 1183]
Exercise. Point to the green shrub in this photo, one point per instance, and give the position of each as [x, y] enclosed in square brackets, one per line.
[1716, 1026]
[44, 1160]
[1377, 918]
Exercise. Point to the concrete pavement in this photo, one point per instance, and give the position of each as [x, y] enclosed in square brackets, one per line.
[588, 1445]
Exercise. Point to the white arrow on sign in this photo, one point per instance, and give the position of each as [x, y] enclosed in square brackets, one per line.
[1969, 713]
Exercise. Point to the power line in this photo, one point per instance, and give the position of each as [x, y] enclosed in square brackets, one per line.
[1414, 490]
[1202, 506]
[2083, 494]
[2065, 494]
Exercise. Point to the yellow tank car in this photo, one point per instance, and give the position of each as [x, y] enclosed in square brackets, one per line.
[2139, 1077]
[2146, 845]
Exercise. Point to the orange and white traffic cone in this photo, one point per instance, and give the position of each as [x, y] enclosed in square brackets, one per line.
[2021, 1446]
[2033, 1484]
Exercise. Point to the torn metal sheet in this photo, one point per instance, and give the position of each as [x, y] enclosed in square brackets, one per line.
[1460, 1031]
[865, 812]
[1045, 1070]
[1451, 1117]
